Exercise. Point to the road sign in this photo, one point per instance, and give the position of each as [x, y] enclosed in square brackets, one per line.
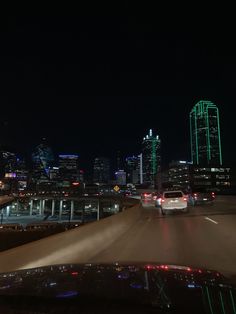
[116, 188]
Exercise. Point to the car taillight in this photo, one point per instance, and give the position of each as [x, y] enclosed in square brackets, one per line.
[185, 198]
[195, 194]
[213, 194]
[162, 200]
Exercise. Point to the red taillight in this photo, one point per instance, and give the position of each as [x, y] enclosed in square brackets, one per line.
[150, 267]
[164, 267]
[195, 194]
[213, 194]
[189, 269]
[74, 273]
[185, 198]
[162, 200]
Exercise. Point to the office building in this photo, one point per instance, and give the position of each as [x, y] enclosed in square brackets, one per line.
[101, 170]
[69, 167]
[120, 177]
[8, 163]
[205, 139]
[211, 178]
[43, 159]
[22, 174]
[187, 176]
[132, 165]
[54, 173]
[180, 174]
[151, 158]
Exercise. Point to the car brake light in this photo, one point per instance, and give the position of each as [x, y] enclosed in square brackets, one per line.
[164, 267]
[185, 198]
[195, 194]
[162, 200]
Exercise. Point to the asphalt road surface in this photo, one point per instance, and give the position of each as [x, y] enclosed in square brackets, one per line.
[203, 237]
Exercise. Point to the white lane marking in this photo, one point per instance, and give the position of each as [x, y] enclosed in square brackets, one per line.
[211, 220]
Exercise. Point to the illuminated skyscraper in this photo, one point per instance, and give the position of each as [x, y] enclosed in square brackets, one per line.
[43, 159]
[151, 158]
[205, 134]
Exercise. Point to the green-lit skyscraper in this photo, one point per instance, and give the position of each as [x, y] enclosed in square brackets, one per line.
[205, 137]
[151, 158]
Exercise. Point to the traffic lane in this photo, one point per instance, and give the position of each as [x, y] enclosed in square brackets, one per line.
[192, 241]
[215, 208]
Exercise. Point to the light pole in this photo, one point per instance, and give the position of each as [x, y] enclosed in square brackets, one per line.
[98, 210]
[1, 215]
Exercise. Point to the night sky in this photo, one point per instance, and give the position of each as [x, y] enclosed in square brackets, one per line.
[95, 84]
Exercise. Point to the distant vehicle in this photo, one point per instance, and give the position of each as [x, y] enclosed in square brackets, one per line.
[128, 193]
[173, 200]
[201, 196]
[146, 196]
[152, 196]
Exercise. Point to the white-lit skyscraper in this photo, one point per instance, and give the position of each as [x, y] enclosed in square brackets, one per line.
[151, 158]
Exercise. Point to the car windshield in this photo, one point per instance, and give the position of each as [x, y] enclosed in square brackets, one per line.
[117, 147]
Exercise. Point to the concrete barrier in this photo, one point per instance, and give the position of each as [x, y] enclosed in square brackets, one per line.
[74, 246]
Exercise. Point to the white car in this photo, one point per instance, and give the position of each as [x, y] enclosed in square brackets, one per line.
[173, 200]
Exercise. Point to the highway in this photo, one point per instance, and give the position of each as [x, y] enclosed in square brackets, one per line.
[204, 237]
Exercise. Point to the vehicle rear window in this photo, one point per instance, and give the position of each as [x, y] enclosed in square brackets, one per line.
[173, 194]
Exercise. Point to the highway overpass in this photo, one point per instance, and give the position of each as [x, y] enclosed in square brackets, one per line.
[205, 237]
[5, 200]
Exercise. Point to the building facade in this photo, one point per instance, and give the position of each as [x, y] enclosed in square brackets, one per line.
[187, 176]
[151, 158]
[132, 169]
[101, 170]
[205, 139]
[43, 159]
[69, 167]
[8, 164]
[180, 174]
[120, 177]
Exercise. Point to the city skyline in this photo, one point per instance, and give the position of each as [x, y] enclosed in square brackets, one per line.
[76, 81]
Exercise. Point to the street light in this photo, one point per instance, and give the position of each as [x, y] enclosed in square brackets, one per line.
[1, 215]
